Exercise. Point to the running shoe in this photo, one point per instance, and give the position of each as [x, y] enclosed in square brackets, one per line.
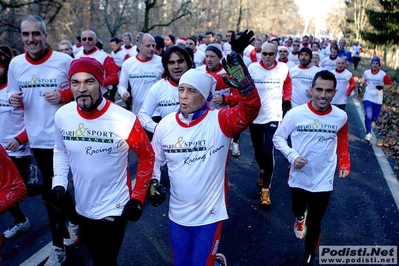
[367, 137]
[265, 197]
[57, 257]
[73, 235]
[300, 227]
[235, 149]
[220, 260]
[16, 228]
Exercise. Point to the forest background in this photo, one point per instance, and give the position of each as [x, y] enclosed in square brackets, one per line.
[111, 18]
[373, 23]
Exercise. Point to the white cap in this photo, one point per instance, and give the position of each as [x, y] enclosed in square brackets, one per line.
[203, 82]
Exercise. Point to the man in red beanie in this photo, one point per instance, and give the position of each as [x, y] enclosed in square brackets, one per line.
[93, 138]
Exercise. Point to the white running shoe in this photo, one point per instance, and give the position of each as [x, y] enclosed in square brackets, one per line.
[73, 235]
[220, 260]
[367, 137]
[300, 227]
[57, 257]
[235, 149]
[16, 228]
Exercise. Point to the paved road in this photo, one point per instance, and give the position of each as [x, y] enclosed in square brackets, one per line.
[362, 211]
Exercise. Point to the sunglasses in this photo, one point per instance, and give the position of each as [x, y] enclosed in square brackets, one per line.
[178, 61]
[90, 39]
[283, 51]
[269, 54]
[189, 43]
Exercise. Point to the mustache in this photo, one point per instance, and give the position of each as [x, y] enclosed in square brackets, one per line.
[83, 95]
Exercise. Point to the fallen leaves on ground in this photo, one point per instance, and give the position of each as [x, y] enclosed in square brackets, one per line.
[388, 124]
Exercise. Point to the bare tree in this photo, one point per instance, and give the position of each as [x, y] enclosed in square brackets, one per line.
[357, 16]
[151, 5]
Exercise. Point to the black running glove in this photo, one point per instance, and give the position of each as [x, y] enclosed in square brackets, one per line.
[157, 193]
[239, 45]
[133, 210]
[58, 197]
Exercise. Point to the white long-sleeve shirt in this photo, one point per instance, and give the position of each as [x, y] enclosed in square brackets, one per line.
[315, 136]
[141, 75]
[96, 149]
[301, 78]
[11, 124]
[34, 79]
[163, 97]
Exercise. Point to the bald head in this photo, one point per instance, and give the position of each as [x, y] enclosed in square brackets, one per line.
[146, 46]
[89, 40]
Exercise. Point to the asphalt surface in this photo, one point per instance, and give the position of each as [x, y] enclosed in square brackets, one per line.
[362, 211]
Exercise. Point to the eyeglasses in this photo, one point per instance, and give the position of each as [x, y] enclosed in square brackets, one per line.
[269, 54]
[90, 39]
[178, 61]
[283, 51]
[189, 43]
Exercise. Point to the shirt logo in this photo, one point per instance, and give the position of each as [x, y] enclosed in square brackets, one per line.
[83, 133]
[36, 82]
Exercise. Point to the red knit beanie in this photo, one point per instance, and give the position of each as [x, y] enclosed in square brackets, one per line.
[88, 65]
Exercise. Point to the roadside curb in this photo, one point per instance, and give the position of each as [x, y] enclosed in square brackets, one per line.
[386, 168]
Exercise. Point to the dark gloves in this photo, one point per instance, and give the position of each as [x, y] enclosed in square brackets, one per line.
[286, 106]
[239, 45]
[157, 193]
[238, 72]
[379, 87]
[133, 210]
[58, 198]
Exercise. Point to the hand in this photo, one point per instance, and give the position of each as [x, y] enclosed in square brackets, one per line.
[379, 87]
[217, 99]
[157, 193]
[238, 72]
[12, 145]
[133, 210]
[239, 45]
[125, 96]
[57, 196]
[16, 99]
[343, 173]
[300, 162]
[53, 97]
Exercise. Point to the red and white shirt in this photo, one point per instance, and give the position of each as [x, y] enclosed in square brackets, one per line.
[12, 125]
[320, 137]
[191, 148]
[141, 75]
[34, 79]
[301, 78]
[345, 85]
[273, 84]
[95, 146]
[374, 79]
